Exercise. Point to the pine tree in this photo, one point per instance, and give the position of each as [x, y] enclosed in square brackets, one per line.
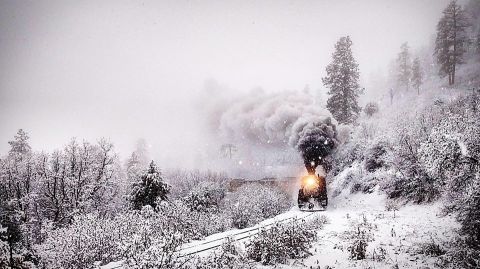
[404, 66]
[451, 41]
[133, 167]
[149, 189]
[141, 150]
[417, 75]
[20, 146]
[342, 79]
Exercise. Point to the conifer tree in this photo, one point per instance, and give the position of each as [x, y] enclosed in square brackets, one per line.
[20, 146]
[342, 80]
[149, 189]
[451, 41]
[417, 75]
[404, 66]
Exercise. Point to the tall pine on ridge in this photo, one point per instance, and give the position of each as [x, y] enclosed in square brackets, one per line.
[342, 80]
[404, 66]
[451, 41]
[417, 74]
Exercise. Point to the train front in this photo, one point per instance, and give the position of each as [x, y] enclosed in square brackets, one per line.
[312, 194]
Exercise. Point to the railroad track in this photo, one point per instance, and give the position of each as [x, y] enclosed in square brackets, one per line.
[241, 235]
[234, 236]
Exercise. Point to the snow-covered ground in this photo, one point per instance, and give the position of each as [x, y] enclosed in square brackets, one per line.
[205, 246]
[211, 243]
[395, 236]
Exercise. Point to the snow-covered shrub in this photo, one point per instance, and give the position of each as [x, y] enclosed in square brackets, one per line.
[253, 203]
[371, 108]
[358, 248]
[344, 133]
[88, 239]
[392, 205]
[431, 248]
[11, 240]
[345, 157]
[379, 254]
[205, 197]
[153, 245]
[4, 249]
[451, 155]
[355, 149]
[139, 237]
[281, 242]
[316, 222]
[410, 180]
[374, 158]
[462, 255]
[359, 235]
[182, 182]
[230, 256]
[468, 247]
[193, 224]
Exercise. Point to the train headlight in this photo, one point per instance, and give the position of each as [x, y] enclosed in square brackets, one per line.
[310, 182]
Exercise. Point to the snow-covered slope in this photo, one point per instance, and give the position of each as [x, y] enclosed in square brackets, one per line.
[394, 237]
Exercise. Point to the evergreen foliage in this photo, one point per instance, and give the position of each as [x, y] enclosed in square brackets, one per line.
[417, 75]
[19, 146]
[149, 189]
[404, 66]
[451, 40]
[371, 108]
[342, 80]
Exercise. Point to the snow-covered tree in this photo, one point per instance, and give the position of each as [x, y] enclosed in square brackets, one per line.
[20, 145]
[137, 163]
[133, 167]
[342, 80]
[404, 68]
[417, 74]
[451, 40]
[141, 152]
[371, 108]
[205, 196]
[149, 189]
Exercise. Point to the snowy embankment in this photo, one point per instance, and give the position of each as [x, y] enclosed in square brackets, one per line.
[393, 237]
[211, 243]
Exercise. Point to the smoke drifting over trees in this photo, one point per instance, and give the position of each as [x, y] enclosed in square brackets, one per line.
[278, 121]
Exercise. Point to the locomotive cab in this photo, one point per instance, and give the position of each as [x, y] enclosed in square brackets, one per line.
[312, 194]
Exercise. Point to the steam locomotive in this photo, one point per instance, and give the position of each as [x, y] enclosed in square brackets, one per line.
[312, 194]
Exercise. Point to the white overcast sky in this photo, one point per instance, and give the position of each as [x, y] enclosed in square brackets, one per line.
[130, 69]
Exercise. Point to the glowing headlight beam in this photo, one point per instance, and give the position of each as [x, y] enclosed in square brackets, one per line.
[311, 181]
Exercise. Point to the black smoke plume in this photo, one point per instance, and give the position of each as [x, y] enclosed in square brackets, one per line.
[316, 141]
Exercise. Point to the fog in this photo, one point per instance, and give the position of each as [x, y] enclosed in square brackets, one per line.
[140, 69]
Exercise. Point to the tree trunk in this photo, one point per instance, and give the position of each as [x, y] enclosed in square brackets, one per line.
[453, 74]
[11, 254]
